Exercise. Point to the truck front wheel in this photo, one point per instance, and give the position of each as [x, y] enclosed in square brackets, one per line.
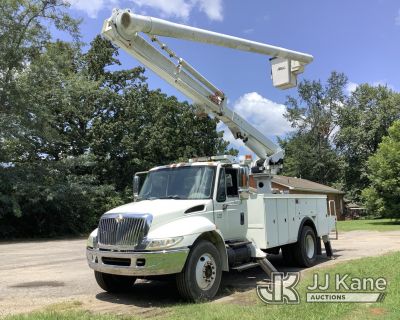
[201, 275]
[114, 283]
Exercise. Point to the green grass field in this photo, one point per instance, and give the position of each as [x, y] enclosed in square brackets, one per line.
[373, 225]
[251, 308]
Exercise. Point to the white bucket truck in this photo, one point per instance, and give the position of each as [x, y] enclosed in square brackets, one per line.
[200, 218]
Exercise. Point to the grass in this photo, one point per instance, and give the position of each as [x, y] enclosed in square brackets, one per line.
[372, 225]
[251, 308]
[64, 311]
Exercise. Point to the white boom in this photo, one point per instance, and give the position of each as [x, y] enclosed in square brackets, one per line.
[123, 28]
[131, 23]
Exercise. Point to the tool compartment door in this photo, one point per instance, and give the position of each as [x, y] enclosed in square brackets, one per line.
[271, 221]
[283, 224]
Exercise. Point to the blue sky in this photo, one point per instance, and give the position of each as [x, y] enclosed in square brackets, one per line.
[360, 38]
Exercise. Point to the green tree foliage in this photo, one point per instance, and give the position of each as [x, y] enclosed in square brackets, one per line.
[336, 134]
[138, 128]
[23, 35]
[309, 152]
[382, 197]
[363, 122]
[72, 132]
[304, 160]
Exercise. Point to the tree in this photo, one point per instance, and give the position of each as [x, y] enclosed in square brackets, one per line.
[316, 108]
[52, 188]
[309, 152]
[140, 128]
[304, 160]
[363, 121]
[23, 34]
[382, 197]
[72, 132]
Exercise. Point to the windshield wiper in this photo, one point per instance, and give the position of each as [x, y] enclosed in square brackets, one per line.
[147, 198]
[175, 196]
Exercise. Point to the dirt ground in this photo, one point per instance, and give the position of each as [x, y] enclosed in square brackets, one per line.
[36, 274]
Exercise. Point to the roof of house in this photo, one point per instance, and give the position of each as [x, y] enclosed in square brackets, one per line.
[298, 184]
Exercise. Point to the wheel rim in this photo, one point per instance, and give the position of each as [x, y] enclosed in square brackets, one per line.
[206, 271]
[310, 246]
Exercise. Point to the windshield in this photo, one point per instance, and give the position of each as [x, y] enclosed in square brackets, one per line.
[189, 182]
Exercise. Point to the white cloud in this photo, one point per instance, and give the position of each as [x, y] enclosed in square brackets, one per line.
[93, 7]
[212, 8]
[397, 19]
[351, 87]
[262, 113]
[182, 9]
[168, 8]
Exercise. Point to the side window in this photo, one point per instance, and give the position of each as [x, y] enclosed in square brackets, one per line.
[232, 182]
[221, 191]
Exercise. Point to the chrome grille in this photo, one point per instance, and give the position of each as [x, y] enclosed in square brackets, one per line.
[122, 230]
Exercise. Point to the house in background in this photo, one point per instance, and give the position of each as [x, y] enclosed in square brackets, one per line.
[354, 210]
[293, 185]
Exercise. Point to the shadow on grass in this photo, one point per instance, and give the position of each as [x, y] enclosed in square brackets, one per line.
[385, 223]
[162, 292]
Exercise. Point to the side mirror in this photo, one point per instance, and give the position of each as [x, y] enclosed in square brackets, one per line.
[136, 184]
[138, 180]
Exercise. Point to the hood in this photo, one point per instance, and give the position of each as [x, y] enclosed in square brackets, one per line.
[161, 209]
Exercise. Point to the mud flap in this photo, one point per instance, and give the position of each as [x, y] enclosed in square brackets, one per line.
[319, 250]
[328, 249]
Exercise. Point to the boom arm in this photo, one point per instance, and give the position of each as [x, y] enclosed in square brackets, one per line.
[123, 28]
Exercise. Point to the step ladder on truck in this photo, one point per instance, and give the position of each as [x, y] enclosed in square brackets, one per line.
[197, 219]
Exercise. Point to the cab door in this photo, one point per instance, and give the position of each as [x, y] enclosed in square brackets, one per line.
[229, 211]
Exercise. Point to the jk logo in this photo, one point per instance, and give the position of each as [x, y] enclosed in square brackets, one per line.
[281, 290]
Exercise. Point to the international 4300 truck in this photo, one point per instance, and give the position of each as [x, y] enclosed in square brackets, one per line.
[197, 219]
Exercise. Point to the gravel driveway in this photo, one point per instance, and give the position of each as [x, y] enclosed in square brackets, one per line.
[37, 274]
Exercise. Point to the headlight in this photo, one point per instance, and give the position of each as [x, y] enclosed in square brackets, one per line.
[156, 244]
[92, 240]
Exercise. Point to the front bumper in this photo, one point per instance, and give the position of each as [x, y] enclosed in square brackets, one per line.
[144, 263]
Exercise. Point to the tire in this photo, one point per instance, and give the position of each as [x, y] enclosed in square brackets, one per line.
[201, 275]
[305, 250]
[113, 283]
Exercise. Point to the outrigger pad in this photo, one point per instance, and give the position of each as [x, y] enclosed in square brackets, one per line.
[266, 266]
[328, 249]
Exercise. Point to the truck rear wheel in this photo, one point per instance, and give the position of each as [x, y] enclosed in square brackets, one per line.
[305, 250]
[114, 283]
[201, 275]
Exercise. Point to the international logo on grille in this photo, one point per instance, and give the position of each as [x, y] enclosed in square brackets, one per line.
[119, 218]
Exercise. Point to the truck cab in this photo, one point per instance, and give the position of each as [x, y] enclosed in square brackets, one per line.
[175, 206]
[197, 219]
[214, 190]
